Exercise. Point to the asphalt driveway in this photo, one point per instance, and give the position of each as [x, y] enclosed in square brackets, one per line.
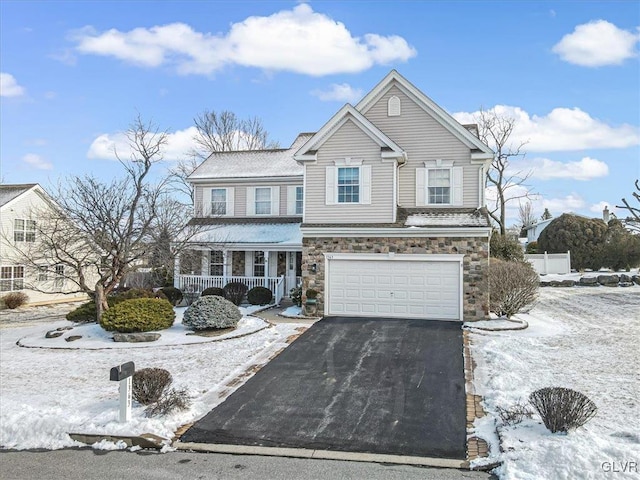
[385, 386]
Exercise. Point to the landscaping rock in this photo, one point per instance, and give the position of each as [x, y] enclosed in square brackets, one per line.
[545, 284]
[608, 280]
[567, 283]
[63, 329]
[626, 284]
[136, 337]
[636, 279]
[53, 334]
[73, 338]
[588, 282]
[624, 278]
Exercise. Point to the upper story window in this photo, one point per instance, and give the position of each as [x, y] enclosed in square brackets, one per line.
[24, 230]
[393, 107]
[348, 184]
[439, 185]
[263, 201]
[218, 201]
[299, 200]
[11, 278]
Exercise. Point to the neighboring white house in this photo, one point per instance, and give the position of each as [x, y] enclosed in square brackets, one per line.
[534, 231]
[20, 206]
[381, 212]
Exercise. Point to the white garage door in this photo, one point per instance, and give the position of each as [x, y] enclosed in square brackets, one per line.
[394, 288]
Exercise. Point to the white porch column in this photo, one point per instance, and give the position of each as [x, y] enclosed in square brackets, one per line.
[225, 265]
[266, 268]
[176, 272]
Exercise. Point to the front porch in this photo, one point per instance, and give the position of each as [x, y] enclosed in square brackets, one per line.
[207, 266]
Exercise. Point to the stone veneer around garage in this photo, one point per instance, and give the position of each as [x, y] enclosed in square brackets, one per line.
[475, 263]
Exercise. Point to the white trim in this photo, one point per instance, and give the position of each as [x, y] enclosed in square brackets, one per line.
[304, 196]
[403, 232]
[247, 180]
[343, 115]
[482, 156]
[394, 106]
[444, 118]
[394, 204]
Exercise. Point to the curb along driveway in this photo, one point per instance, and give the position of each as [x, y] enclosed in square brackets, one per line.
[381, 386]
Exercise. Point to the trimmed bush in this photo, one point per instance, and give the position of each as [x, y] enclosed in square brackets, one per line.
[235, 292]
[512, 286]
[295, 294]
[562, 409]
[213, 291]
[134, 293]
[84, 313]
[149, 384]
[138, 315]
[259, 296]
[15, 299]
[173, 294]
[211, 312]
[532, 247]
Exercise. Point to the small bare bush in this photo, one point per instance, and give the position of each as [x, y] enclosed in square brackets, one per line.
[150, 384]
[15, 299]
[169, 402]
[562, 409]
[512, 286]
[514, 414]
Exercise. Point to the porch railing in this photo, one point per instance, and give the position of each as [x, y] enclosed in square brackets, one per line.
[197, 283]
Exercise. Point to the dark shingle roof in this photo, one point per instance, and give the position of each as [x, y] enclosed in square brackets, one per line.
[9, 192]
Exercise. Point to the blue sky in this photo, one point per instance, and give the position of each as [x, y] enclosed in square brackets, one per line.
[76, 73]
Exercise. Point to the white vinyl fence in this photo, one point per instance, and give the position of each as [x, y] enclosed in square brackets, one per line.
[549, 263]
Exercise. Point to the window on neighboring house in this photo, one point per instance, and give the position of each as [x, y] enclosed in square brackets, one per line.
[216, 264]
[24, 230]
[439, 186]
[11, 278]
[348, 184]
[299, 200]
[263, 200]
[58, 279]
[43, 273]
[218, 201]
[258, 264]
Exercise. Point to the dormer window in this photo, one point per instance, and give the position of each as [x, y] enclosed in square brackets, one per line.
[393, 107]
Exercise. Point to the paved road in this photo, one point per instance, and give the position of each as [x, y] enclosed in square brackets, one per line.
[144, 465]
[384, 386]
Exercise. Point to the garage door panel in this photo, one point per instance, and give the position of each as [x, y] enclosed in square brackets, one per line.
[415, 289]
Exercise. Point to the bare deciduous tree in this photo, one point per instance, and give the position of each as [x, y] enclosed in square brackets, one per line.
[526, 215]
[219, 132]
[633, 219]
[495, 130]
[99, 230]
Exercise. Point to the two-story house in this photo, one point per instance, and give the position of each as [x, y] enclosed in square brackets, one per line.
[393, 221]
[22, 207]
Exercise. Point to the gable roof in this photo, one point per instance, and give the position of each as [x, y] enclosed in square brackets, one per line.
[389, 148]
[482, 151]
[277, 162]
[8, 193]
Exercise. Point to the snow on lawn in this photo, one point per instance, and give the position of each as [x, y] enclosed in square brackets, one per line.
[584, 339]
[48, 393]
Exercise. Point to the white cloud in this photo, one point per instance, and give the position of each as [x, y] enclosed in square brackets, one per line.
[596, 44]
[341, 92]
[298, 40]
[9, 86]
[558, 206]
[546, 169]
[37, 162]
[105, 146]
[561, 129]
[599, 207]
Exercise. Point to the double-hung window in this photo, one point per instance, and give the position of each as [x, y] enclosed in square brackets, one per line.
[58, 280]
[263, 201]
[348, 184]
[258, 264]
[216, 264]
[299, 200]
[11, 278]
[218, 201]
[24, 230]
[439, 186]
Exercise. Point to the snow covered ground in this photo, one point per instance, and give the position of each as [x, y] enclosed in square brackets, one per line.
[48, 393]
[584, 339]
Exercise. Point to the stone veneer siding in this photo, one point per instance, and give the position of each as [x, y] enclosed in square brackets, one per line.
[475, 263]
[237, 264]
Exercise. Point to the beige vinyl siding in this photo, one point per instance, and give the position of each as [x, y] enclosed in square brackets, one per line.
[423, 138]
[240, 193]
[349, 141]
